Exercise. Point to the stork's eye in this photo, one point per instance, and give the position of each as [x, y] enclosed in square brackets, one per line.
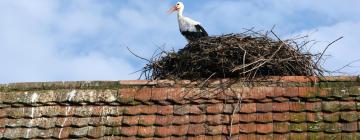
[177, 4]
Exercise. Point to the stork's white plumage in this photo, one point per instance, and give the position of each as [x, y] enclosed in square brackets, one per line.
[189, 28]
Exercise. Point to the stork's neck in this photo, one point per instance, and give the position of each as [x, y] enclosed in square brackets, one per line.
[180, 12]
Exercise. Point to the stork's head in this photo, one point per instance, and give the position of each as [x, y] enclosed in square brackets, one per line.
[179, 6]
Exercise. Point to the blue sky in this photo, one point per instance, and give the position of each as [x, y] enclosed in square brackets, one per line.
[66, 40]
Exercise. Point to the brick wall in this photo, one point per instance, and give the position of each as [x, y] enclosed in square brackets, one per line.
[287, 108]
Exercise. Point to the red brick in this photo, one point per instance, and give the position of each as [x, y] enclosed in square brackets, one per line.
[281, 117]
[292, 92]
[165, 110]
[313, 106]
[247, 128]
[264, 107]
[348, 106]
[114, 121]
[196, 129]
[298, 117]
[259, 93]
[149, 109]
[129, 131]
[197, 118]
[143, 94]
[96, 132]
[181, 109]
[197, 109]
[133, 110]
[248, 108]
[298, 136]
[164, 120]
[306, 92]
[165, 131]
[279, 91]
[146, 131]
[215, 109]
[350, 127]
[215, 130]
[147, 120]
[214, 119]
[281, 127]
[314, 117]
[130, 120]
[159, 94]
[62, 133]
[280, 107]
[264, 117]
[126, 94]
[235, 129]
[281, 136]
[280, 99]
[179, 120]
[264, 128]
[176, 95]
[202, 137]
[247, 137]
[297, 106]
[180, 130]
[264, 137]
[247, 117]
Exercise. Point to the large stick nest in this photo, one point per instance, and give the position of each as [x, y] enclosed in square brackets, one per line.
[245, 55]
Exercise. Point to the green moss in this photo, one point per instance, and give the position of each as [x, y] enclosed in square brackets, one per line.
[316, 127]
[297, 117]
[315, 136]
[298, 127]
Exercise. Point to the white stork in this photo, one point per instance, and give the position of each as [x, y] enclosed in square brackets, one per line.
[189, 28]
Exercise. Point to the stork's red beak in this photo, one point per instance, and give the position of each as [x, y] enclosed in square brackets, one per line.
[173, 9]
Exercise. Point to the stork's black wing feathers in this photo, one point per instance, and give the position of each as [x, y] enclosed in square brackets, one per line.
[192, 36]
[199, 28]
